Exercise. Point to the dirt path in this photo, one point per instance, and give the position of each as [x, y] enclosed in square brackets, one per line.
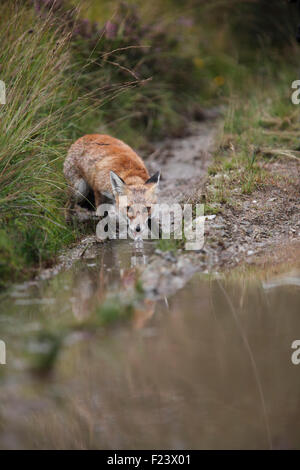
[263, 227]
[183, 162]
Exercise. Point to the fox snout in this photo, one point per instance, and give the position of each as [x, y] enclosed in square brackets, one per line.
[136, 201]
[137, 219]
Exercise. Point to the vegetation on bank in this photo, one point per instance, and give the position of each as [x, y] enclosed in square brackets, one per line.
[259, 128]
[138, 73]
[66, 77]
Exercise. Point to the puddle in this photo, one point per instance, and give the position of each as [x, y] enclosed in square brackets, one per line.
[207, 367]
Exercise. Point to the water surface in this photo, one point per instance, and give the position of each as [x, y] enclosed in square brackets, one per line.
[209, 367]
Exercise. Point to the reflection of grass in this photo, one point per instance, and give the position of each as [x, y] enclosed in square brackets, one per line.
[119, 306]
[43, 351]
[109, 389]
[113, 310]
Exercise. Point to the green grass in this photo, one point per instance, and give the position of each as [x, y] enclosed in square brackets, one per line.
[171, 244]
[45, 111]
[212, 209]
[34, 129]
[261, 124]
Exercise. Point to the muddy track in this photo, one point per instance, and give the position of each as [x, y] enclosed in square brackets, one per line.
[183, 162]
[252, 229]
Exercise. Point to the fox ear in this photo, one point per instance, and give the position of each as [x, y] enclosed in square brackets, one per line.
[154, 178]
[117, 183]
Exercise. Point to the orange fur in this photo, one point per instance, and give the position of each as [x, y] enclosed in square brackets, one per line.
[92, 157]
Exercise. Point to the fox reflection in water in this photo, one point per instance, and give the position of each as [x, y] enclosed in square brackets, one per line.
[115, 270]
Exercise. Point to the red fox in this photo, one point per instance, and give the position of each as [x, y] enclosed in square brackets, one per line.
[104, 164]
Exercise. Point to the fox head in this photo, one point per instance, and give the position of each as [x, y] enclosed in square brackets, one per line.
[135, 201]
